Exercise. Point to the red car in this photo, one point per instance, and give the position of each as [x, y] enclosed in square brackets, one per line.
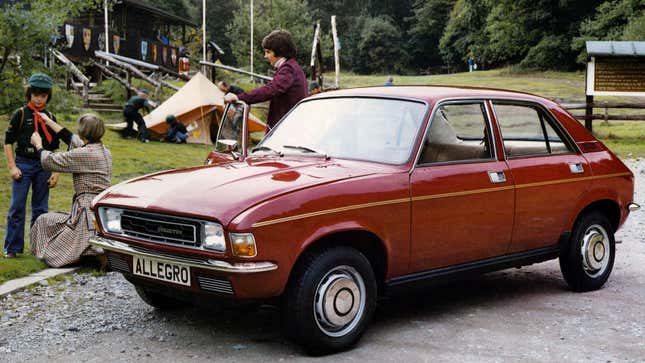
[357, 193]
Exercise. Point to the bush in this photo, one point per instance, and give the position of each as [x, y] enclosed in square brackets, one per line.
[552, 52]
[380, 48]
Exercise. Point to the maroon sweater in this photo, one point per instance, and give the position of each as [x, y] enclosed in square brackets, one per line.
[288, 87]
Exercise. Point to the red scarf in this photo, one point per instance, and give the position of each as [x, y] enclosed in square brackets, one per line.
[39, 120]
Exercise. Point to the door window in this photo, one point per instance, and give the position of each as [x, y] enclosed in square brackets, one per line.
[528, 131]
[458, 131]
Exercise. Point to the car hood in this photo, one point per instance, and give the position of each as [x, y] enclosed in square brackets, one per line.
[222, 191]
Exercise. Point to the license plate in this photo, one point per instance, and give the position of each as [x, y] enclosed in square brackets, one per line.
[161, 270]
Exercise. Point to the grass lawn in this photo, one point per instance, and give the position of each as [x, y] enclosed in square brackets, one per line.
[131, 158]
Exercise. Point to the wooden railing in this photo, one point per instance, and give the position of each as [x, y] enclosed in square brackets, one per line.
[84, 87]
[589, 115]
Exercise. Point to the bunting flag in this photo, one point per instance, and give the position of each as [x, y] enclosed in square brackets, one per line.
[87, 38]
[144, 49]
[116, 43]
[69, 35]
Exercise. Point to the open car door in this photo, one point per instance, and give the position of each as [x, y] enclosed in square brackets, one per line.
[233, 135]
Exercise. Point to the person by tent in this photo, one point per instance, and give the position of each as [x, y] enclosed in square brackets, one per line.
[184, 61]
[226, 88]
[289, 84]
[314, 88]
[132, 115]
[177, 132]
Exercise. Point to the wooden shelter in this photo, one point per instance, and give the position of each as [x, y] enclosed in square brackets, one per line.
[136, 30]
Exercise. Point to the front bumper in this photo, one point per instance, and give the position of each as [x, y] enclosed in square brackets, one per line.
[246, 280]
[210, 264]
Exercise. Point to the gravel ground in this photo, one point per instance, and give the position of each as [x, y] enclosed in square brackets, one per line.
[514, 315]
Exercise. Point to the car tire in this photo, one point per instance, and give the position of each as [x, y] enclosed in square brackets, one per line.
[329, 300]
[157, 300]
[587, 261]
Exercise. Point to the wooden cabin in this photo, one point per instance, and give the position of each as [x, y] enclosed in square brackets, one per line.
[136, 30]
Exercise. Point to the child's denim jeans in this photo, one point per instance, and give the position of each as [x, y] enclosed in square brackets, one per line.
[32, 175]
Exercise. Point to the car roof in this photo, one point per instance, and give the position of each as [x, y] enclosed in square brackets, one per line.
[430, 94]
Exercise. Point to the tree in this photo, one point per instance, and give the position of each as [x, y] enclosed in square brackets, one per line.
[613, 20]
[291, 15]
[464, 36]
[426, 28]
[27, 28]
[380, 48]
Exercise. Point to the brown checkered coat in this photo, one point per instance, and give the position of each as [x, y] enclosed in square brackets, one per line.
[61, 238]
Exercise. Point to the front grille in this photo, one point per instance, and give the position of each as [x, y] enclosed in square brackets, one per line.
[117, 263]
[161, 228]
[215, 285]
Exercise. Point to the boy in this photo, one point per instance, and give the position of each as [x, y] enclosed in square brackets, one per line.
[132, 115]
[25, 168]
[177, 132]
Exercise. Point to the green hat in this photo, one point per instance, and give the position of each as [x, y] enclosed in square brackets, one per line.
[41, 81]
[312, 85]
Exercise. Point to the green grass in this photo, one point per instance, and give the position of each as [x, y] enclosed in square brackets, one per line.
[131, 158]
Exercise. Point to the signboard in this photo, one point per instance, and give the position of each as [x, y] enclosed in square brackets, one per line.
[616, 76]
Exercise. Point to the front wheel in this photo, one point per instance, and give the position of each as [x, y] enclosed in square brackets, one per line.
[589, 259]
[330, 300]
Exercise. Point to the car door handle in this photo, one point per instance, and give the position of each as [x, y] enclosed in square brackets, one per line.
[497, 176]
[576, 168]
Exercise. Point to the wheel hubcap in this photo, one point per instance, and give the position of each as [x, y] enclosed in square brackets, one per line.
[595, 250]
[339, 301]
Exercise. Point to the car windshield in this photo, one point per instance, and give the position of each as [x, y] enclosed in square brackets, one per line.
[372, 129]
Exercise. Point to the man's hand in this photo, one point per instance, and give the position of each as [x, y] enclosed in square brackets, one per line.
[16, 174]
[230, 98]
[36, 140]
[53, 180]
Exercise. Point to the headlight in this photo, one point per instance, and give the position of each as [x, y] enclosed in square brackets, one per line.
[243, 244]
[111, 219]
[214, 237]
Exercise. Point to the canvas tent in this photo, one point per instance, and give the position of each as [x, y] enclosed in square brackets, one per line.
[199, 105]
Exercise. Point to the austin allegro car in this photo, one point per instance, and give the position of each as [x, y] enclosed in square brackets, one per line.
[359, 193]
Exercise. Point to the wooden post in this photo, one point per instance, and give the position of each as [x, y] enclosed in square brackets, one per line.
[336, 49]
[589, 113]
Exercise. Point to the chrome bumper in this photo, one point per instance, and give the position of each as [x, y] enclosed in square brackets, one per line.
[210, 264]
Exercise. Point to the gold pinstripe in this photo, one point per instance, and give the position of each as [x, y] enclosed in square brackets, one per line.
[431, 196]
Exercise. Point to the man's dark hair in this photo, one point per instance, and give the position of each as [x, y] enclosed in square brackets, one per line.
[38, 91]
[281, 43]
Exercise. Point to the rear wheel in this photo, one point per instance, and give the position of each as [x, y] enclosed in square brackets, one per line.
[589, 259]
[157, 300]
[330, 300]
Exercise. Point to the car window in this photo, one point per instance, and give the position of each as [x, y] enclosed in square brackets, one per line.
[528, 131]
[373, 129]
[457, 132]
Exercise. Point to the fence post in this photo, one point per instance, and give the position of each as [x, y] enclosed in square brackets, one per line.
[589, 113]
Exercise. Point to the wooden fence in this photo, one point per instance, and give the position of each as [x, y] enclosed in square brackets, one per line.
[588, 115]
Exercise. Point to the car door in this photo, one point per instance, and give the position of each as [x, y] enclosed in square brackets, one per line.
[462, 195]
[550, 175]
[232, 136]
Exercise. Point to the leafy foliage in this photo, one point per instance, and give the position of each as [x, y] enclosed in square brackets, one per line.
[26, 29]
[377, 48]
[292, 15]
[613, 20]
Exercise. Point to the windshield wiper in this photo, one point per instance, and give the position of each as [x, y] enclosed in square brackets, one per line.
[265, 148]
[306, 149]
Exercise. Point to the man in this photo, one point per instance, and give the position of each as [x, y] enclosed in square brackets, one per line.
[132, 115]
[226, 88]
[289, 84]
